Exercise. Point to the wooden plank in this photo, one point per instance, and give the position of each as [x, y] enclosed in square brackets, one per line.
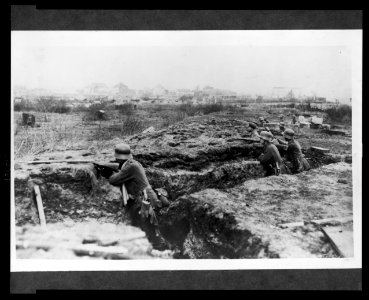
[341, 239]
[251, 162]
[243, 139]
[320, 149]
[334, 132]
[291, 225]
[37, 162]
[332, 221]
[112, 252]
[40, 207]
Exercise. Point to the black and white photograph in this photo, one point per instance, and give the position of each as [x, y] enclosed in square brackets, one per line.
[171, 150]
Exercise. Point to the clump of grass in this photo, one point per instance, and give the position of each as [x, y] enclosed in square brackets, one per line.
[46, 138]
[129, 126]
[126, 109]
[172, 119]
[133, 125]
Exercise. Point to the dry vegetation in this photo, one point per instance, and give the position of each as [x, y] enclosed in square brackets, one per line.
[58, 128]
[64, 130]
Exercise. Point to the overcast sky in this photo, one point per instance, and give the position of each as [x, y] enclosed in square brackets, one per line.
[45, 60]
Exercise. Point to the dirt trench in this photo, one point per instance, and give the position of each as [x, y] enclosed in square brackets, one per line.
[205, 218]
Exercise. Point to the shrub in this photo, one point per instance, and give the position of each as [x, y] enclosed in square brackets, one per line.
[171, 119]
[205, 109]
[43, 105]
[210, 108]
[60, 107]
[132, 125]
[341, 113]
[125, 109]
[188, 108]
[24, 105]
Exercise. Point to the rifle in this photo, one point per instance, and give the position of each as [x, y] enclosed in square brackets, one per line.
[106, 169]
[253, 140]
[282, 141]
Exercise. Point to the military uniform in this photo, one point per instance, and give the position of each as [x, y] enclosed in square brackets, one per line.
[142, 198]
[269, 159]
[297, 162]
[132, 174]
[255, 134]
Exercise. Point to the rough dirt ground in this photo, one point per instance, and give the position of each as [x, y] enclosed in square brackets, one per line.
[258, 206]
[88, 240]
[220, 205]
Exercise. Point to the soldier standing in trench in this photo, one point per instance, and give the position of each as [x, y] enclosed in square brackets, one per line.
[295, 160]
[139, 198]
[271, 159]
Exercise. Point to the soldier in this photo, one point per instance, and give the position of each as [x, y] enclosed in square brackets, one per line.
[254, 128]
[271, 159]
[281, 118]
[282, 127]
[295, 160]
[274, 139]
[294, 119]
[139, 198]
[261, 121]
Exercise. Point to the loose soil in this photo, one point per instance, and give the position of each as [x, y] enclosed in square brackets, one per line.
[221, 206]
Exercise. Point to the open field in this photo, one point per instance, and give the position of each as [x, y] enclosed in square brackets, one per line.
[221, 206]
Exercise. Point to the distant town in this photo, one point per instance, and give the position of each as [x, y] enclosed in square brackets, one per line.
[121, 94]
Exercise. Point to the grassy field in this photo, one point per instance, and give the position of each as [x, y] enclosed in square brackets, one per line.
[81, 130]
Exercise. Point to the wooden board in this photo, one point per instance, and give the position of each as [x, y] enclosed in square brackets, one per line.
[334, 132]
[40, 207]
[341, 239]
[320, 149]
[291, 225]
[330, 221]
[38, 162]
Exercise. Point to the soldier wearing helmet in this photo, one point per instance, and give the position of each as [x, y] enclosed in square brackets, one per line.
[139, 198]
[294, 119]
[282, 127]
[274, 139]
[271, 159]
[294, 157]
[254, 128]
[261, 121]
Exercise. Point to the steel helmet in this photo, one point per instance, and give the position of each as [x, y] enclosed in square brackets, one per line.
[288, 133]
[252, 125]
[267, 136]
[122, 151]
